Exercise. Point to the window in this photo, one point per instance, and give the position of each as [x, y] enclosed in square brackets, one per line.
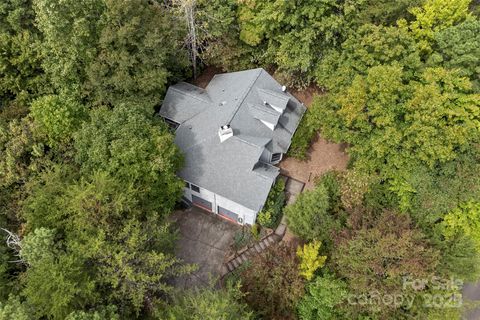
[172, 124]
[195, 188]
[187, 185]
[276, 157]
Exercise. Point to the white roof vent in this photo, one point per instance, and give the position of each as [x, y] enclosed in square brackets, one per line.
[284, 88]
[225, 132]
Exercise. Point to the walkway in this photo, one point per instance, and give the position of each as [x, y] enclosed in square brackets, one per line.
[292, 189]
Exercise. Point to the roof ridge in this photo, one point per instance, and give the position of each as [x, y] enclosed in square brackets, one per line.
[191, 95]
[264, 108]
[245, 96]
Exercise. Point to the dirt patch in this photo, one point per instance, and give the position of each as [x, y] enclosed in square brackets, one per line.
[306, 96]
[323, 156]
[204, 78]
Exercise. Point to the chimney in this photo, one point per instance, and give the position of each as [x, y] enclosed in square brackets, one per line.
[225, 132]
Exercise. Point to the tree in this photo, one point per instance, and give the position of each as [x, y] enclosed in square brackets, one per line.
[464, 220]
[272, 283]
[309, 215]
[293, 35]
[370, 46]
[21, 75]
[310, 260]
[55, 282]
[209, 304]
[70, 39]
[13, 308]
[57, 117]
[137, 149]
[322, 299]
[436, 15]
[458, 47]
[375, 257]
[138, 48]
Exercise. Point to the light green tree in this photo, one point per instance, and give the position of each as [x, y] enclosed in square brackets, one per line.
[310, 259]
[322, 298]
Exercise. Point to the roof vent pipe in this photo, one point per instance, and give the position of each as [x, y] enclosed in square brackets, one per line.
[284, 88]
[225, 132]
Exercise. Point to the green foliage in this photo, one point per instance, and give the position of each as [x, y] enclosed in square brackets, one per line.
[379, 253]
[272, 283]
[458, 47]
[310, 260]
[137, 149]
[137, 44]
[21, 75]
[58, 117]
[22, 151]
[306, 132]
[103, 313]
[464, 220]
[70, 39]
[369, 46]
[321, 301]
[436, 15]
[209, 304]
[271, 213]
[309, 216]
[13, 308]
[293, 35]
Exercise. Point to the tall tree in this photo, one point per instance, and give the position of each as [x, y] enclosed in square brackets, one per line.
[139, 50]
[21, 74]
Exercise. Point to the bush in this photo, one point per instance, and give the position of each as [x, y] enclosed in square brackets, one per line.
[271, 214]
[306, 132]
[272, 283]
[309, 217]
[310, 259]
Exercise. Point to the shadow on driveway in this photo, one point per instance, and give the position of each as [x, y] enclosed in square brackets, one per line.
[204, 240]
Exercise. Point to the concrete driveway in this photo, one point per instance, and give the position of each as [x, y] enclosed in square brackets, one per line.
[204, 240]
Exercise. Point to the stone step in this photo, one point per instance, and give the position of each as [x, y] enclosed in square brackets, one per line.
[270, 239]
[230, 266]
[262, 245]
[257, 248]
[243, 258]
[239, 260]
[235, 263]
[266, 243]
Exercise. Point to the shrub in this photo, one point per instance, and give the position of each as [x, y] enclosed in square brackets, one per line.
[271, 214]
[309, 216]
[310, 260]
[273, 283]
[306, 131]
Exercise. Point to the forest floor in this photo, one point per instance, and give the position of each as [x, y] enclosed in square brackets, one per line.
[322, 155]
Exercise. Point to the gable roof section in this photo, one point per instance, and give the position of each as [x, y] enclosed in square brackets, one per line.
[183, 101]
[274, 98]
[264, 112]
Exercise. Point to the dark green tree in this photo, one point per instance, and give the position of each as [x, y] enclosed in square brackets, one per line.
[139, 50]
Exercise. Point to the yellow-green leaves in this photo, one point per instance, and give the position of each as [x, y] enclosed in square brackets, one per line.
[310, 259]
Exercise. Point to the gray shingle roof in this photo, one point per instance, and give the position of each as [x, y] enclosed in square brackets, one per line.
[232, 168]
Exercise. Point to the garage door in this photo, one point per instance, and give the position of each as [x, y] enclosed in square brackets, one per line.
[202, 203]
[228, 214]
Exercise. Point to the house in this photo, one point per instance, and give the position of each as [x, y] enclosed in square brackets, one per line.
[232, 134]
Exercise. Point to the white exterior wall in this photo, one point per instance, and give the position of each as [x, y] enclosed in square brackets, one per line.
[246, 214]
